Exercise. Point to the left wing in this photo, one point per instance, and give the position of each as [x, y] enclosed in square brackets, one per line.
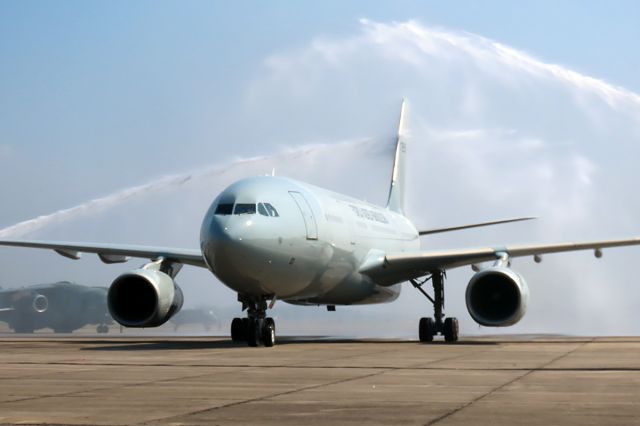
[392, 268]
[473, 225]
[114, 253]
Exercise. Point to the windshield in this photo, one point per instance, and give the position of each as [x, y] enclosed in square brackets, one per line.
[265, 209]
[244, 209]
[224, 209]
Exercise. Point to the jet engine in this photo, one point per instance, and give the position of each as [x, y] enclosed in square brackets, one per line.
[40, 303]
[497, 297]
[144, 298]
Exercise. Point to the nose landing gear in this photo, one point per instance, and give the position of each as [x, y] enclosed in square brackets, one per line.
[430, 327]
[257, 329]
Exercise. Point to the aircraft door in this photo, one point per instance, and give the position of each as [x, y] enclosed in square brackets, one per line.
[307, 215]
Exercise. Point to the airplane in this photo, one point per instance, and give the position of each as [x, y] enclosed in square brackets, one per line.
[271, 238]
[63, 306]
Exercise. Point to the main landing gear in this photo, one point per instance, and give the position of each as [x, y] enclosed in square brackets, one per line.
[257, 329]
[429, 327]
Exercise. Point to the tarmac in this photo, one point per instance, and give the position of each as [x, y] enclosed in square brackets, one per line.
[529, 380]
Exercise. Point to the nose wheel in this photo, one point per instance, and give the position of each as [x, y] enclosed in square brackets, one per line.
[430, 327]
[256, 329]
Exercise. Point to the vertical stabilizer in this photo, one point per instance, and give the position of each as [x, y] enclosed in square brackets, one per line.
[396, 192]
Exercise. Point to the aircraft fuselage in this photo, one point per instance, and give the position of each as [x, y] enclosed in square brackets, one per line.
[273, 236]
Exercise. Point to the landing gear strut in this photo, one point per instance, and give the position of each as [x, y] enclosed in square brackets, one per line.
[256, 329]
[429, 327]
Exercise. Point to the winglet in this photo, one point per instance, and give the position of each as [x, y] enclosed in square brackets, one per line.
[396, 191]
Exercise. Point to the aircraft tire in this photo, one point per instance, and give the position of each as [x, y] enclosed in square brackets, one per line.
[451, 329]
[238, 332]
[254, 333]
[426, 330]
[269, 332]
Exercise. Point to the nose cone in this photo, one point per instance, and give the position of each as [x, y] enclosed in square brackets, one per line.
[230, 245]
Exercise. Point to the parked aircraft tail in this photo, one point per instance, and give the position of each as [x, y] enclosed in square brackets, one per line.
[396, 191]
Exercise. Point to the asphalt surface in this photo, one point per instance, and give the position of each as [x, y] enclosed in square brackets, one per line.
[479, 381]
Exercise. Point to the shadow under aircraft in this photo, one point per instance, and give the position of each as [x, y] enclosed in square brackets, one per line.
[62, 306]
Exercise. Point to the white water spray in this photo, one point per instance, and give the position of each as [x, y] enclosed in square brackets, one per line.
[162, 184]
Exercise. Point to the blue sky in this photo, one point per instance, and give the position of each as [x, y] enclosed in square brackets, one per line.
[87, 59]
[105, 78]
[79, 65]
[100, 96]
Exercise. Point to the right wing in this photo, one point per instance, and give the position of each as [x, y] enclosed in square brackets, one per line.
[392, 268]
[114, 253]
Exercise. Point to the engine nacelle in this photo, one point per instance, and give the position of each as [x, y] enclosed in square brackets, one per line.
[40, 303]
[144, 298]
[497, 297]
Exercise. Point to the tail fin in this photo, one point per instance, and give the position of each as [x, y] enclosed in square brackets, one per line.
[396, 191]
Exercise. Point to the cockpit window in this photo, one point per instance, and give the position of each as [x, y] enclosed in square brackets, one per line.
[245, 209]
[224, 209]
[262, 210]
[272, 210]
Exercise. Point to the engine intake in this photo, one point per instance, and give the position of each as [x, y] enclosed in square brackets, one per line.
[40, 303]
[497, 297]
[144, 298]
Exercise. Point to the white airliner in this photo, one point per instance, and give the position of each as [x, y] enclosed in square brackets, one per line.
[271, 238]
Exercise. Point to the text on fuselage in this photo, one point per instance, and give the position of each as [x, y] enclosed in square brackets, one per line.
[369, 214]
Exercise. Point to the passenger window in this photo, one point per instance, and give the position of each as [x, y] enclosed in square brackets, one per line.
[245, 209]
[272, 210]
[224, 209]
[262, 210]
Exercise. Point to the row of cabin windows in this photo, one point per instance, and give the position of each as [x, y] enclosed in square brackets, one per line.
[265, 209]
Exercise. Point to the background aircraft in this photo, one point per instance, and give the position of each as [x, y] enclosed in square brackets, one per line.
[271, 238]
[62, 306]
[206, 317]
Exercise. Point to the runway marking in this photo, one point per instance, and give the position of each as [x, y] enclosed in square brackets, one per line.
[504, 385]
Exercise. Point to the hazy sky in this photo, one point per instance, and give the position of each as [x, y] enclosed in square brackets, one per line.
[515, 108]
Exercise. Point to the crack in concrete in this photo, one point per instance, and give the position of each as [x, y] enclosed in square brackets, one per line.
[265, 397]
[120, 386]
[504, 385]
[311, 387]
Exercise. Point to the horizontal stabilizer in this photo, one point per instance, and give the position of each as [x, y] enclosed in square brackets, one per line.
[474, 225]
